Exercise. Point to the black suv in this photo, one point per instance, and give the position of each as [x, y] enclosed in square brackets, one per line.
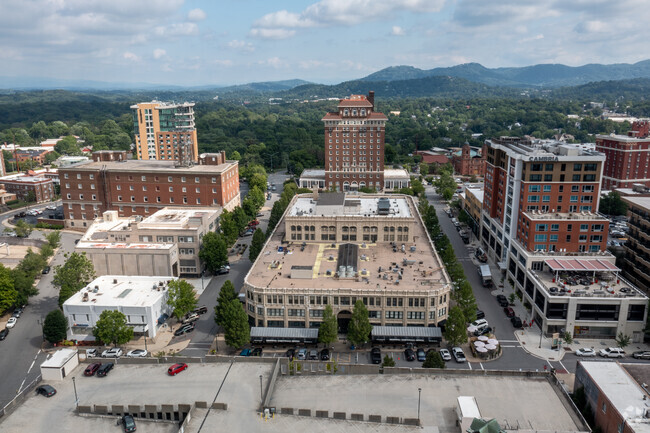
[104, 369]
[516, 322]
[375, 355]
[409, 354]
[184, 329]
[4, 333]
[325, 355]
[502, 300]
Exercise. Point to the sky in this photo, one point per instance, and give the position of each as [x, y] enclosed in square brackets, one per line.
[196, 42]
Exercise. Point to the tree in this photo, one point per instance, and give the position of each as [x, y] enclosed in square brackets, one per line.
[228, 227]
[235, 155]
[31, 195]
[464, 297]
[237, 330]
[181, 298]
[53, 238]
[214, 252]
[8, 293]
[226, 294]
[359, 328]
[73, 275]
[112, 328]
[23, 229]
[55, 327]
[257, 197]
[256, 244]
[455, 328]
[32, 263]
[612, 204]
[622, 340]
[433, 360]
[240, 218]
[388, 362]
[258, 180]
[67, 146]
[24, 285]
[328, 329]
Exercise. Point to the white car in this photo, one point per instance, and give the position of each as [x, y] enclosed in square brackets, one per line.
[115, 352]
[52, 207]
[612, 352]
[11, 323]
[585, 351]
[137, 353]
[459, 355]
[446, 356]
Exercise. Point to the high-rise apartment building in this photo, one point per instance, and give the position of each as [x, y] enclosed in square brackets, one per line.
[354, 145]
[636, 262]
[165, 131]
[628, 157]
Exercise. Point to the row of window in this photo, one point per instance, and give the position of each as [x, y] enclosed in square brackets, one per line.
[372, 314]
[348, 300]
[574, 178]
[569, 227]
[143, 178]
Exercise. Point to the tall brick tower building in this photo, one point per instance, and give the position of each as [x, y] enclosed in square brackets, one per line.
[628, 157]
[354, 145]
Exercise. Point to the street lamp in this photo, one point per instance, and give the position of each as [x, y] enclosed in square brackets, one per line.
[541, 333]
[76, 398]
[145, 341]
[261, 394]
[419, 395]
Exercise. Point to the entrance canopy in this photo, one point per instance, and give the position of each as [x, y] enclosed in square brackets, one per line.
[406, 333]
[591, 265]
[284, 335]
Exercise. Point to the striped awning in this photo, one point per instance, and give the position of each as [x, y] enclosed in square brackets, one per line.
[595, 265]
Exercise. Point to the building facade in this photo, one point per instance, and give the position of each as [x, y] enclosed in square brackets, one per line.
[163, 131]
[472, 202]
[29, 188]
[636, 263]
[334, 249]
[354, 145]
[141, 188]
[540, 224]
[628, 157]
[469, 162]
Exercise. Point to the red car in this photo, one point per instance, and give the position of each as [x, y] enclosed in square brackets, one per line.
[92, 369]
[253, 223]
[176, 368]
[509, 312]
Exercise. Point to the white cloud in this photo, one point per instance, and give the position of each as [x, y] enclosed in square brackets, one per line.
[397, 31]
[326, 13]
[241, 46]
[196, 15]
[272, 33]
[274, 62]
[159, 53]
[131, 56]
[177, 29]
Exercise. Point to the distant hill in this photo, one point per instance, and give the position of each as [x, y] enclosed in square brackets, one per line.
[543, 75]
[266, 86]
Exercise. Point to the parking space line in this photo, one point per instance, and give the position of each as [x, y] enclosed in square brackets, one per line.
[565, 369]
[481, 364]
[470, 365]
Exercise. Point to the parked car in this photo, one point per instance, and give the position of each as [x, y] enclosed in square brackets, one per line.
[257, 351]
[375, 355]
[421, 354]
[245, 352]
[176, 368]
[480, 314]
[92, 369]
[128, 423]
[92, 353]
[480, 255]
[479, 323]
[4, 333]
[137, 353]
[51, 207]
[509, 311]
[585, 351]
[190, 317]
[302, 354]
[184, 329]
[253, 223]
[325, 354]
[105, 369]
[46, 390]
[446, 356]
[459, 355]
[482, 331]
[223, 270]
[502, 300]
[516, 322]
[201, 310]
[46, 270]
[409, 355]
[290, 353]
[313, 355]
[642, 354]
[612, 352]
[17, 312]
[11, 322]
[115, 352]
[248, 232]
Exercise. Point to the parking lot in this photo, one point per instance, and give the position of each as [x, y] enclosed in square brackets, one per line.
[46, 211]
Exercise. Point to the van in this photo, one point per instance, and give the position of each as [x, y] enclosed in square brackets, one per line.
[456, 223]
[480, 255]
[486, 275]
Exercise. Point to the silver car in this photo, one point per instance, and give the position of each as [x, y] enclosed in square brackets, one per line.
[446, 356]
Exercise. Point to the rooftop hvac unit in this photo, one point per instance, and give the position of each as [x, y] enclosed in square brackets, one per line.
[114, 280]
[155, 287]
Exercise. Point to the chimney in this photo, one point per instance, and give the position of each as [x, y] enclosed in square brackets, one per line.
[371, 98]
[223, 156]
[315, 194]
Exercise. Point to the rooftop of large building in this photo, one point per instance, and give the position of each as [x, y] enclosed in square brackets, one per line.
[178, 218]
[414, 266]
[643, 202]
[120, 290]
[162, 104]
[537, 150]
[149, 166]
[342, 204]
[560, 216]
[622, 138]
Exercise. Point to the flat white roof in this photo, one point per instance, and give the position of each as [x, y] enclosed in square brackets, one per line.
[396, 173]
[306, 206]
[59, 358]
[124, 245]
[170, 217]
[121, 291]
[643, 202]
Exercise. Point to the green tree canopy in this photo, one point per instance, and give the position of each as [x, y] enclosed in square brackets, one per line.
[53, 238]
[328, 329]
[111, 328]
[226, 294]
[23, 229]
[214, 252]
[181, 297]
[464, 297]
[67, 146]
[612, 204]
[256, 244]
[359, 328]
[455, 327]
[55, 327]
[8, 294]
[388, 362]
[237, 331]
[73, 275]
[433, 360]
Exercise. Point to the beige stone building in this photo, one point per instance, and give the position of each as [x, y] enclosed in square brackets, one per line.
[166, 243]
[337, 248]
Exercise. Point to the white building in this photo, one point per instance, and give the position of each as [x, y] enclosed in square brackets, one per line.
[394, 179]
[59, 365]
[141, 299]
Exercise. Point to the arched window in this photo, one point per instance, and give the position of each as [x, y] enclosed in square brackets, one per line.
[293, 228]
[346, 112]
[323, 229]
[363, 111]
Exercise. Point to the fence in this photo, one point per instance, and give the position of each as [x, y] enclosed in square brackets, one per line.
[9, 407]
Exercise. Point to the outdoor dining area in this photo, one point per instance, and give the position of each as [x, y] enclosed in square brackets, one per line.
[484, 347]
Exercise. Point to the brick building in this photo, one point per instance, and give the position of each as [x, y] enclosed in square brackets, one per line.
[354, 145]
[162, 129]
[628, 157]
[469, 162]
[429, 157]
[636, 262]
[134, 187]
[24, 185]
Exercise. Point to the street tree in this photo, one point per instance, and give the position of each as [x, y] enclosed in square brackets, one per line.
[258, 180]
[181, 298]
[228, 227]
[8, 293]
[388, 362]
[214, 252]
[237, 331]
[433, 360]
[359, 328]
[455, 328]
[53, 238]
[226, 294]
[23, 229]
[32, 263]
[55, 326]
[73, 275]
[24, 285]
[257, 196]
[111, 328]
[464, 297]
[328, 329]
[240, 218]
[612, 204]
[256, 244]
[622, 340]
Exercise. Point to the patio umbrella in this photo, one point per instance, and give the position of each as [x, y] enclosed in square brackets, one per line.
[479, 344]
[490, 347]
[483, 338]
[481, 349]
[493, 341]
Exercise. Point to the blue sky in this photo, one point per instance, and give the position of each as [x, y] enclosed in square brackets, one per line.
[193, 42]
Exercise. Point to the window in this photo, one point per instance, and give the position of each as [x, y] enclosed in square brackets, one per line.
[541, 227]
[547, 188]
[533, 199]
[584, 227]
[555, 227]
[534, 188]
[540, 238]
[576, 178]
[169, 179]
